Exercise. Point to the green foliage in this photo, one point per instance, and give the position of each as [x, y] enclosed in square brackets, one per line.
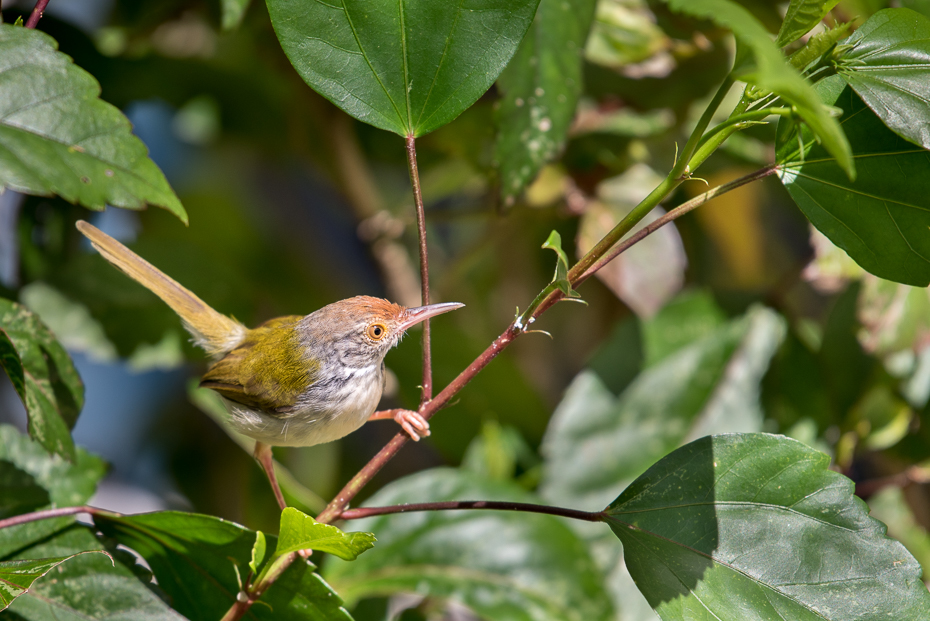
[802, 15]
[302, 532]
[17, 576]
[58, 137]
[878, 219]
[43, 376]
[734, 514]
[378, 61]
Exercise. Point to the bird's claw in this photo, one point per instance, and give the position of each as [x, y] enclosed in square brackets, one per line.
[414, 424]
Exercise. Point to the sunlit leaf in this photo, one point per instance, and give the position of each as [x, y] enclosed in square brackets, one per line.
[301, 532]
[43, 375]
[888, 66]
[802, 15]
[880, 219]
[540, 89]
[754, 526]
[58, 137]
[17, 576]
[404, 67]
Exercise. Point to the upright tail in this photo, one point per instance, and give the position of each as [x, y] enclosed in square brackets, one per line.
[217, 334]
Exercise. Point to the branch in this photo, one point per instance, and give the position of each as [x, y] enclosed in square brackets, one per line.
[48, 514]
[427, 386]
[37, 13]
[456, 505]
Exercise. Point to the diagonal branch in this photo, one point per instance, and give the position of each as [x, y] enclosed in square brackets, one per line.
[37, 13]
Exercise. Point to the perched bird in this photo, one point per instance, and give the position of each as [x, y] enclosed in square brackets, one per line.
[292, 381]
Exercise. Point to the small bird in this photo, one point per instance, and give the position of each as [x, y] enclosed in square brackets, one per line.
[292, 381]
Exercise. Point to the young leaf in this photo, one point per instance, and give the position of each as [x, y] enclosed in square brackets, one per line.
[201, 561]
[880, 219]
[560, 278]
[17, 576]
[233, 12]
[58, 137]
[887, 66]
[504, 566]
[802, 15]
[540, 88]
[90, 586]
[771, 72]
[43, 375]
[755, 526]
[258, 552]
[301, 532]
[818, 45]
[404, 67]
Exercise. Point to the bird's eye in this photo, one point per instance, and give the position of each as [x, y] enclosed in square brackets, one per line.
[376, 331]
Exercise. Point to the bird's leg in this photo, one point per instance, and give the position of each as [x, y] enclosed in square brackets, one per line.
[266, 458]
[412, 422]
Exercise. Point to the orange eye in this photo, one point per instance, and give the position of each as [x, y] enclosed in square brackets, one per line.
[376, 331]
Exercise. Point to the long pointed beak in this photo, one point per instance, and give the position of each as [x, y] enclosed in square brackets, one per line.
[415, 315]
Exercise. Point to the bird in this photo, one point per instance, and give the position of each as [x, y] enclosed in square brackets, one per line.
[294, 380]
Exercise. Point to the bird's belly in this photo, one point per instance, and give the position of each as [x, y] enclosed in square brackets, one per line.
[312, 423]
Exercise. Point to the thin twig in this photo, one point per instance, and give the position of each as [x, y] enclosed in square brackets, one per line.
[37, 13]
[47, 514]
[427, 387]
[455, 505]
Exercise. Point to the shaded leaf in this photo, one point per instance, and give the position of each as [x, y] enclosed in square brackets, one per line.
[202, 563]
[404, 67]
[623, 33]
[880, 219]
[493, 562]
[540, 89]
[17, 576]
[818, 45]
[888, 66]
[769, 532]
[43, 375]
[90, 586]
[301, 532]
[802, 15]
[233, 12]
[771, 72]
[890, 506]
[58, 137]
[19, 492]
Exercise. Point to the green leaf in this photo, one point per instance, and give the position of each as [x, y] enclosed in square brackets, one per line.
[17, 576]
[880, 219]
[802, 15]
[90, 586]
[771, 72]
[66, 484]
[233, 12]
[301, 532]
[404, 67]
[58, 137]
[540, 89]
[560, 278]
[755, 526]
[502, 565]
[43, 375]
[888, 66]
[818, 45]
[202, 563]
[258, 552]
[19, 492]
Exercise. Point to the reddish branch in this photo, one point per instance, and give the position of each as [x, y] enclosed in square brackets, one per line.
[37, 13]
[427, 386]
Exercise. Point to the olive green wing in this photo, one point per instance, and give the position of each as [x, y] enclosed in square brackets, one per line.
[267, 371]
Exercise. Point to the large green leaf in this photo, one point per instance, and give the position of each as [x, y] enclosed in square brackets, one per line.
[771, 72]
[19, 491]
[407, 67]
[502, 565]
[17, 576]
[43, 375]
[201, 562]
[802, 15]
[58, 137]
[881, 219]
[540, 88]
[888, 66]
[755, 526]
[597, 443]
[90, 586]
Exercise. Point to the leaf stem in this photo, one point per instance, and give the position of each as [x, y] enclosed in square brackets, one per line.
[427, 386]
[36, 14]
[456, 505]
[48, 514]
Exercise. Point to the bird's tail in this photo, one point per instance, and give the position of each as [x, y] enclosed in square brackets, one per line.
[217, 334]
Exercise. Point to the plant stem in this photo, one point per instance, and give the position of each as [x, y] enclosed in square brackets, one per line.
[36, 15]
[455, 505]
[427, 387]
[47, 514]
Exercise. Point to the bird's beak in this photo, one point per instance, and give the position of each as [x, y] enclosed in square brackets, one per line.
[414, 316]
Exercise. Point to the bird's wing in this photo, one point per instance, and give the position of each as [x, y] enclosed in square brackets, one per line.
[267, 371]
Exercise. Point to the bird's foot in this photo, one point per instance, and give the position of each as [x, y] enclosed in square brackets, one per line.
[411, 422]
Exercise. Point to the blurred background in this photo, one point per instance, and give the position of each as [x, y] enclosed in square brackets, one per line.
[294, 205]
